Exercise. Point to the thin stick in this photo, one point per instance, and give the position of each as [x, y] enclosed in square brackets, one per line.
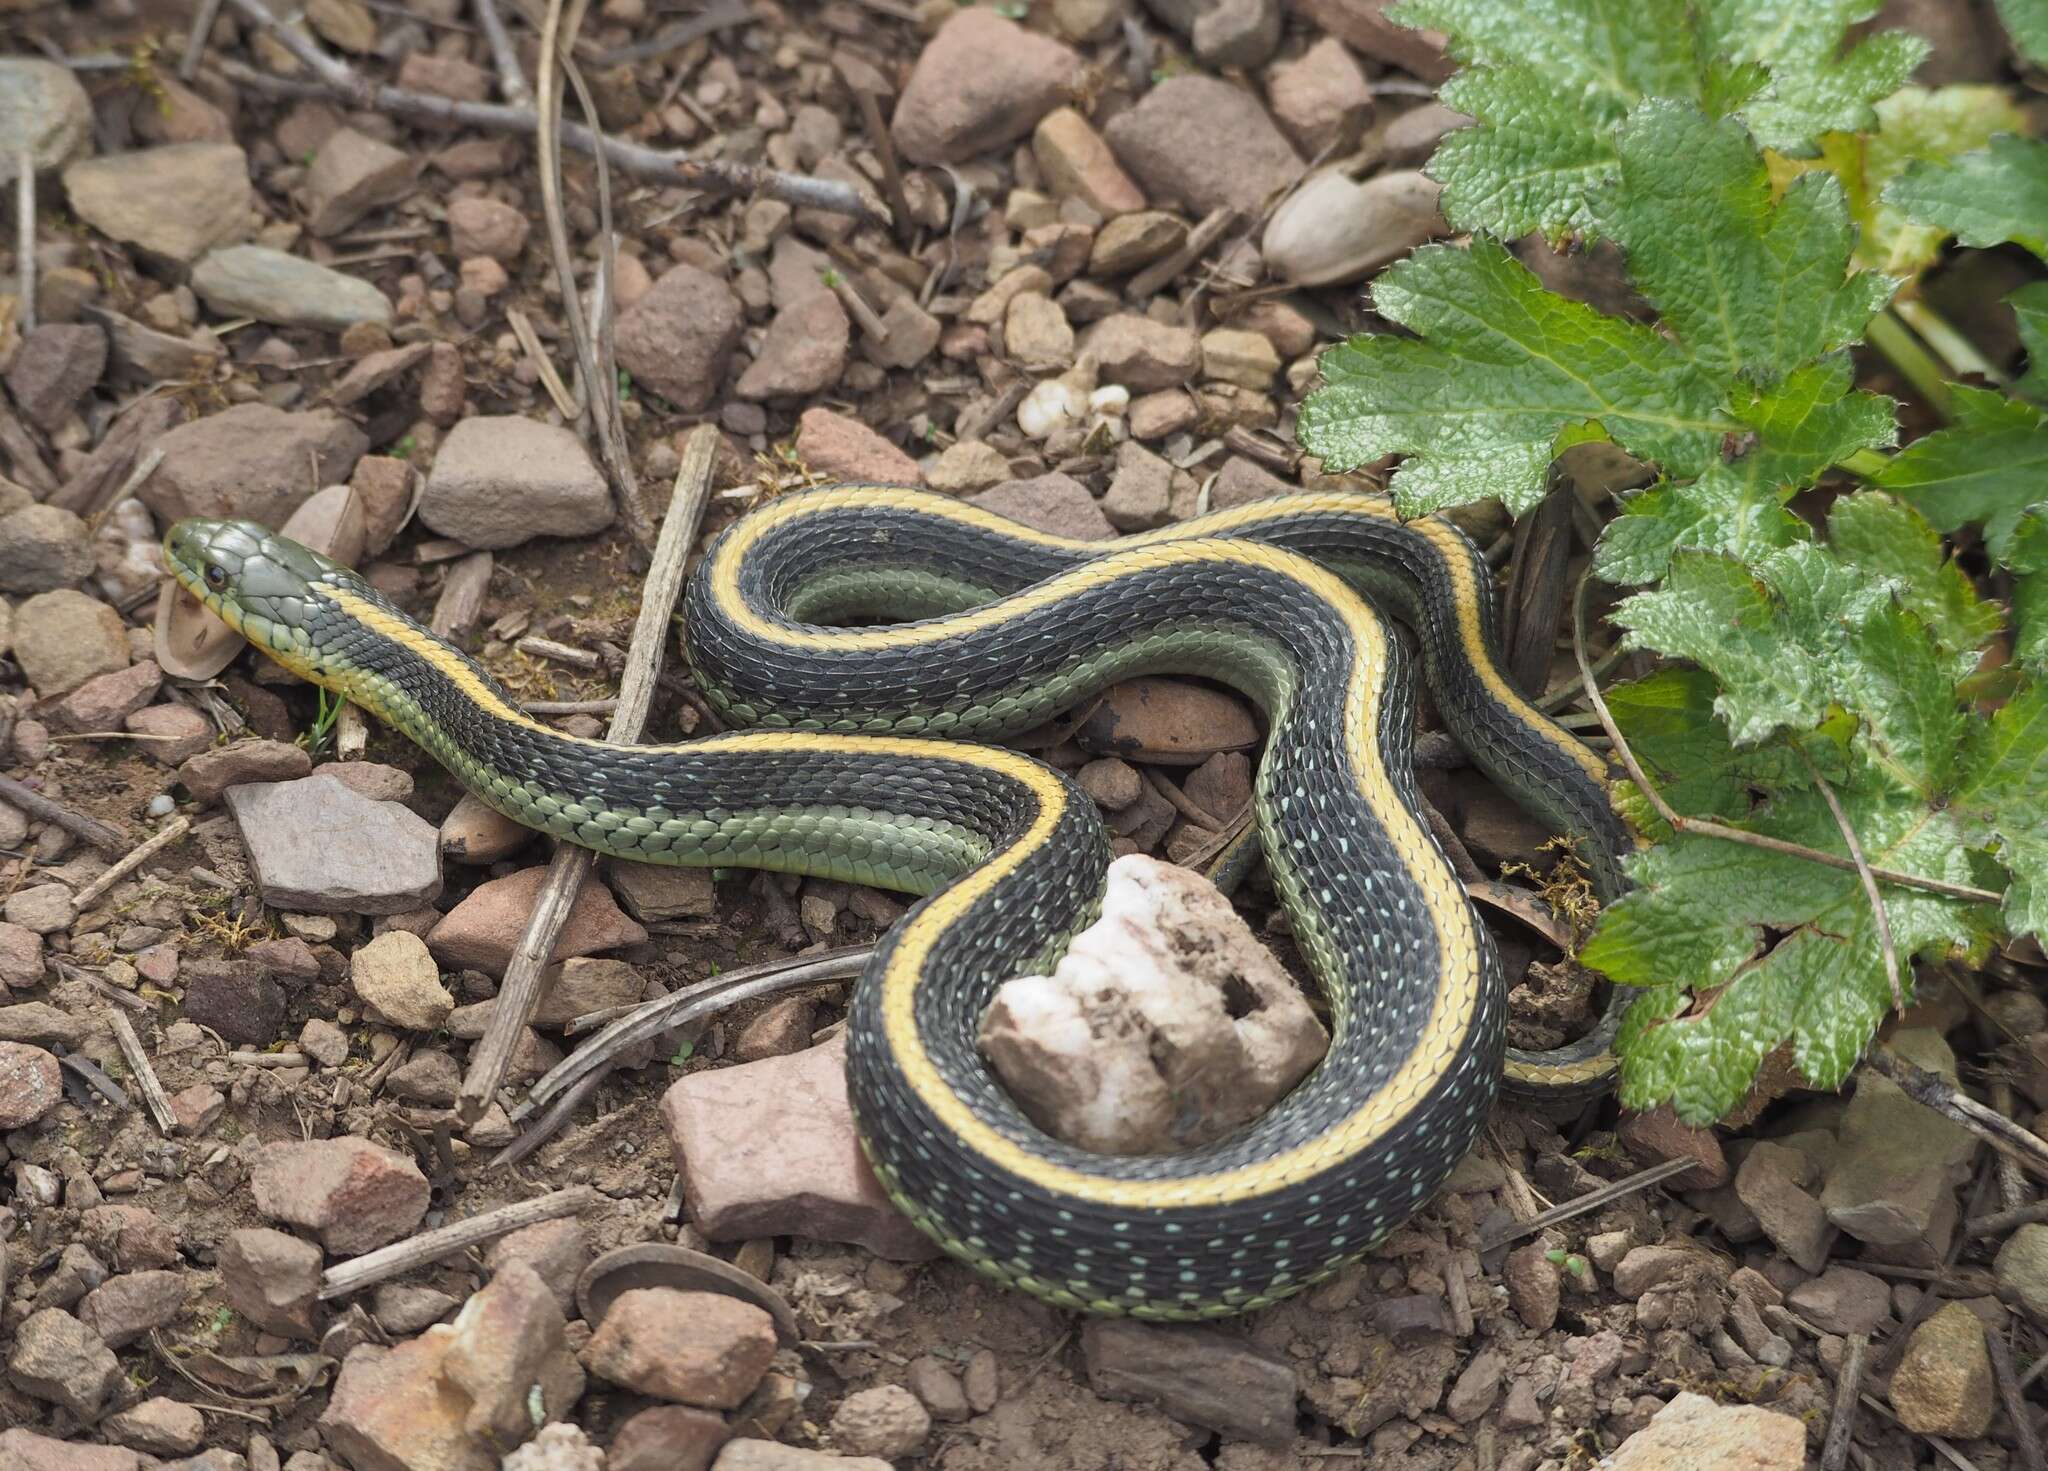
[2006, 1373]
[677, 36]
[145, 851]
[107, 989]
[1937, 1093]
[1156, 277]
[1593, 1201]
[2004, 1221]
[504, 55]
[651, 165]
[1834, 1452]
[550, 1123]
[25, 234]
[566, 871]
[270, 1059]
[570, 707]
[146, 1082]
[35, 804]
[1884, 924]
[1706, 828]
[431, 1246]
[203, 16]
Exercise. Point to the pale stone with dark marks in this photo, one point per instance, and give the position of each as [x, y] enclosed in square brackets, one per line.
[317, 844]
[476, 834]
[30, 1084]
[353, 1194]
[2022, 1268]
[57, 1358]
[1942, 1385]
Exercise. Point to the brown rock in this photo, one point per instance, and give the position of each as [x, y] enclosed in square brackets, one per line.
[273, 1280]
[557, 1250]
[122, 1309]
[444, 76]
[1843, 1300]
[667, 1438]
[1534, 1287]
[1197, 1375]
[1139, 497]
[476, 834]
[176, 732]
[1942, 1385]
[676, 339]
[481, 931]
[834, 445]
[913, 334]
[1056, 503]
[53, 368]
[1232, 355]
[1321, 99]
[211, 773]
[769, 1149]
[700, 1348]
[251, 462]
[486, 227]
[319, 845]
[24, 1450]
[1156, 416]
[392, 1409]
[1142, 354]
[133, 1238]
[31, 1084]
[353, 1194]
[396, 976]
[887, 1420]
[1693, 1431]
[508, 1339]
[64, 638]
[197, 1108]
[957, 105]
[500, 480]
[1131, 242]
[1207, 144]
[57, 1358]
[105, 702]
[1167, 720]
[351, 175]
[1077, 164]
[176, 202]
[1658, 1136]
[1362, 25]
[1772, 1183]
[803, 353]
[968, 465]
[161, 1426]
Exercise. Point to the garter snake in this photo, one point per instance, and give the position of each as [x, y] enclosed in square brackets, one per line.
[865, 758]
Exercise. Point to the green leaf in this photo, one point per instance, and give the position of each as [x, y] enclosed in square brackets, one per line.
[1752, 286]
[1891, 540]
[2028, 557]
[1668, 719]
[1892, 674]
[1987, 467]
[1810, 421]
[1987, 198]
[2030, 309]
[1500, 369]
[1792, 946]
[1719, 512]
[1548, 82]
[2004, 802]
[2026, 21]
[1915, 125]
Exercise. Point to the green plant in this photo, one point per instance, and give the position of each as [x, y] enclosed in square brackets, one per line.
[317, 737]
[1775, 192]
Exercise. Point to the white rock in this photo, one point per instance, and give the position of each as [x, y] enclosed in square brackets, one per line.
[1166, 1025]
[1050, 407]
[1332, 230]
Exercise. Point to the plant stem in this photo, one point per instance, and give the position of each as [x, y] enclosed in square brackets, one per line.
[1867, 463]
[1890, 336]
[1951, 346]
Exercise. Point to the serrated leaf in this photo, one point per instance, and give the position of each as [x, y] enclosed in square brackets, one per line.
[1917, 125]
[2004, 802]
[1753, 287]
[1889, 539]
[1986, 198]
[1987, 467]
[1812, 420]
[1548, 81]
[1719, 512]
[1905, 690]
[2026, 21]
[1712, 611]
[1499, 369]
[1669, 722]
[1705, 910]
[2027, 555]
[2030, 310]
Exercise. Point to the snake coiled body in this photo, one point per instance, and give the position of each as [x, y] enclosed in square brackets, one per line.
[858, 768]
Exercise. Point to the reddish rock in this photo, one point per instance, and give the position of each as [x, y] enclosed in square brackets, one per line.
[105, 701]
[172, 734]
[834, 445]
[55, 1357]
[698, 1348]
[353, 1194]
[1658, 1136]
[24, 1450]
[444, 76]
[1363, 26]
[30, 1084]
[133, 1238]
[122, 1309]
[481, 932]
[1078, 164]
[1167, 720]
[1203, 142]
[957, 104]
[351, 175]
[557, 1250]
[251, 461]
[1321, 97]
[476, 834]
[393, 1409]
[508, 1339]
[667, 1438]
[1143, 355]
[1056, 503]
[273, 1280]
[197, 1108]
[53, 368]
[769, 1149]
[486, 227]
[803, 353]
[676, 339]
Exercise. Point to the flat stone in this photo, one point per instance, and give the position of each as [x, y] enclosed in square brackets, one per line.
[1143, 355]
[1320, 98]
[41, 1025]
[30, 1084]
[558, 1250]
[676, 339]
[132, 1237]
[2022, 1267]
[21, 955]
[393, 1409]
[104, 702]
[176, 202]
[24, 1450]
[57, 1358]
[500, 480]
[769, 1149]
[670, 1438]
[1692, 1431]
[1206, 144]
[573, 988]
[1772, 1184]
[1843, 1300]
[316, 844]
[353, 1194]
[44, 908]
[1230, 355]
[1894, 1178]
[237, 998]
[968, 465]
[372, 779]
[1196, 1375]
[54, 367]
[1078, 164]
[215, 770]
[43, 111]
[1131, 242]
[481, 931]
[769, 1455]
[1657, 1136]
[272, 1279]
[1364, 27]
[654, 892]
[700, 1348]
[288, 290]
[251, 462]
[844, 449]
[141, 352]
[162, 1426]
[122, 1309]
[957, 105]
[1942, 1385]
[396, 975]
[64, 638]
[476, 834]
[1055, 502]
[351, 175]
[1171, 721]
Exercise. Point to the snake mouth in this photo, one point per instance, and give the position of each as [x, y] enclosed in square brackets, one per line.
[260, 584]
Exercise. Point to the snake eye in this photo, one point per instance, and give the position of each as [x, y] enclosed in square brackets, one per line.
[216, 577]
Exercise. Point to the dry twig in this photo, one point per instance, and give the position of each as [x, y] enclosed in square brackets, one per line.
[504, 55]
[1884, 923]
[35, 804]
[25, 236]
[431, 1246]
[146, 1081]
[143, 852]
[1937, 1093]
[1591, 1201]
[1835, 1449]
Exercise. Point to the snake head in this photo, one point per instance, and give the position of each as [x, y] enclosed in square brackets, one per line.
[264, 586]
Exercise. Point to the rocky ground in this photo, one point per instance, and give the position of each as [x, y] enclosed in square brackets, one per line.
[228, 1070]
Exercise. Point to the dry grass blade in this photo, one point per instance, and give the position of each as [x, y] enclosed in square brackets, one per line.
[504, 55]
[1855, 846]
[1937, 1093]
[25, 236]
[1591, 1201]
